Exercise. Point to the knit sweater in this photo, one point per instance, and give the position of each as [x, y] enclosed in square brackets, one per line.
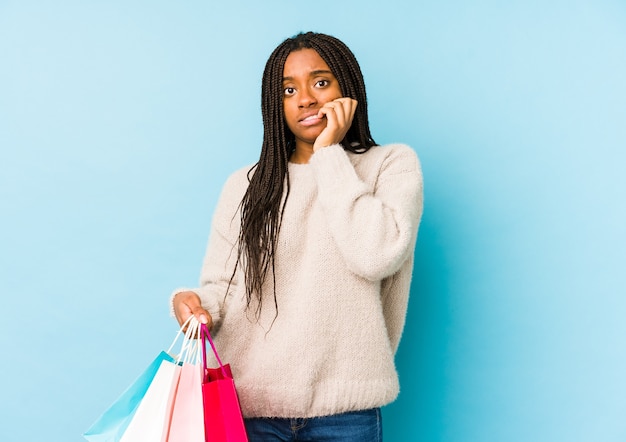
[343, 268]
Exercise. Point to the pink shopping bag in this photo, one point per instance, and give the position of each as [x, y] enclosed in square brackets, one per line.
[223, 421]
[186, 418]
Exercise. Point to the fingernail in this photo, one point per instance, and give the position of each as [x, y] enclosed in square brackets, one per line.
[203, 319]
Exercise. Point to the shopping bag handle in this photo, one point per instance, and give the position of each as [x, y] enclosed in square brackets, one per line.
[206, 336]
[190, 350]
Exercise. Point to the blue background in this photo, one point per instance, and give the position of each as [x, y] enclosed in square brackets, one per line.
[120, 120]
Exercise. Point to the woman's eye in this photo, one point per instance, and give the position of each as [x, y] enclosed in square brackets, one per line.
[290, 91]
[322, 83]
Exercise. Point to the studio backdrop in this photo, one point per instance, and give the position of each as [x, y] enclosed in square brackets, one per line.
[120, 121]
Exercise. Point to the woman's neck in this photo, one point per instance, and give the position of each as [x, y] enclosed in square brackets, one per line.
[302, 154]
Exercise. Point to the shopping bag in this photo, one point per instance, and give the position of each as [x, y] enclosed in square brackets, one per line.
[223, 421]
[115, 422]
[187, 417]
[110, 426]
[149, 421]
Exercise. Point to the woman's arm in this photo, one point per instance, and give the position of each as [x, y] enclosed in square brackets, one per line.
[374, 213]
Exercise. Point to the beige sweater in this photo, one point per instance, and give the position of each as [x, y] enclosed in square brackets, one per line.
[343, 270]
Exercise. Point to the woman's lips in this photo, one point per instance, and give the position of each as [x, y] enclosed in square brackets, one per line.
[311, 120]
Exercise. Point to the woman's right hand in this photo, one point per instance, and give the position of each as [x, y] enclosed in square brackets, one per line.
[188, 303]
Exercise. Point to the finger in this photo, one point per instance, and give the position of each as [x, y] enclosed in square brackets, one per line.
[182, 313]
[201, 315]
[340, 112]
[344, 110]
[184, 305]
[349, 109]
[332, 122]
[336, 111]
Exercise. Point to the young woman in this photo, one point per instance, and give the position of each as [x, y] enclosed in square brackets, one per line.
[306, 276]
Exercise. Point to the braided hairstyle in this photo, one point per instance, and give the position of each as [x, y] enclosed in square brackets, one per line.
[264, 202]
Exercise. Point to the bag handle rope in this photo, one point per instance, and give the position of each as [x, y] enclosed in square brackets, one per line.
[206, 336]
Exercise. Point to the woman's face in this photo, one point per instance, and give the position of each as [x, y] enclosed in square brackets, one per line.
[308, 84]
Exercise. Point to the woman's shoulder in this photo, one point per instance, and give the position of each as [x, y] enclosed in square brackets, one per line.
[395, 150]
[235, 187]
[397, 156]
[240, 178]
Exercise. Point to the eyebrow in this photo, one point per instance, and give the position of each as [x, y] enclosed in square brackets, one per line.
[311, 74]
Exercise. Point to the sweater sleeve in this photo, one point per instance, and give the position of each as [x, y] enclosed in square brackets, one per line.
[374, 222]
[217, 277]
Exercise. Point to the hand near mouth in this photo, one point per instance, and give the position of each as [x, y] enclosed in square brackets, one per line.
[339, 114]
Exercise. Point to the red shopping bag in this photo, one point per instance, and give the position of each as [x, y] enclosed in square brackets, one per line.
[223, 421]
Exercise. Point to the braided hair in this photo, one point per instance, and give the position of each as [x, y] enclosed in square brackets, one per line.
[264, 202]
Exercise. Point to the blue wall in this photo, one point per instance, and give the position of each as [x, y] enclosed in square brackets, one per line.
[120, 120]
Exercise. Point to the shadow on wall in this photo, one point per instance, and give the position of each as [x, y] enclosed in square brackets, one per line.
[418, 413]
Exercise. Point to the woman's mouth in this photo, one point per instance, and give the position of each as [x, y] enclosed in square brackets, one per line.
[311, 120]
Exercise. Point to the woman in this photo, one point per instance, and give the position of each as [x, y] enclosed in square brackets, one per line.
[307, 271]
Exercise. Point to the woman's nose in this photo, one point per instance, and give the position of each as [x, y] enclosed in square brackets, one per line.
[307, 99]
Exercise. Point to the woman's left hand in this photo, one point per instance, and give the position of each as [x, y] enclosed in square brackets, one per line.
[339, 114]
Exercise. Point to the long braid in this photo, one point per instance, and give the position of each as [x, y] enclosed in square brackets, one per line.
[264, 202]
[345, 67]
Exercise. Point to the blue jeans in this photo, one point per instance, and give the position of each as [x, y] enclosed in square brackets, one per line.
[355, 426]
